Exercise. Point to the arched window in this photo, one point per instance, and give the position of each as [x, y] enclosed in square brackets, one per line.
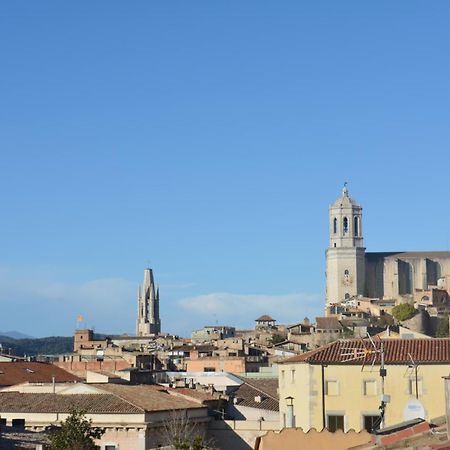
[356, 226]
[345, 227]
[347, 296]
[335, 225]
[345, 272]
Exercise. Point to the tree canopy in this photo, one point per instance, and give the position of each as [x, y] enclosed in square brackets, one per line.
[76, 433]
[443, 327]
[403, 311]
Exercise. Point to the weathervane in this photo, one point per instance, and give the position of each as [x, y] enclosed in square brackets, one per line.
[345, 189]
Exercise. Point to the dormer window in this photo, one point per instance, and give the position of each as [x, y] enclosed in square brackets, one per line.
[345, 225]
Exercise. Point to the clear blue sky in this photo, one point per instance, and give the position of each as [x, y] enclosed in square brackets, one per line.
[207, 139]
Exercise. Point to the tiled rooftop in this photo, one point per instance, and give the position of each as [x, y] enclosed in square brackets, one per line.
[328, 323]
[253, 387]
[264, 318]
[396, 351]
[147, 397]
[33, 372]
[54, 403]
[194, 395]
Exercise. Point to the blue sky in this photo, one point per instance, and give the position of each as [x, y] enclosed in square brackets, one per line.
[207, 139]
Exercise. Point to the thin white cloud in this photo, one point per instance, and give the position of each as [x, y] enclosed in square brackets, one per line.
[242, 309]
[106, 303]
[177, 287]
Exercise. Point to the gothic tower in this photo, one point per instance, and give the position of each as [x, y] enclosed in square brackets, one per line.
[148, 321]
[346, 253]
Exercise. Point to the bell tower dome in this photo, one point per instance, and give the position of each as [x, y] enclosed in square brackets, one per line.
[346, 222]
[346, 253]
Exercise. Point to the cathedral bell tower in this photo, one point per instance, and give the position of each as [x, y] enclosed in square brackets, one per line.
[148, 321]
[346, 253]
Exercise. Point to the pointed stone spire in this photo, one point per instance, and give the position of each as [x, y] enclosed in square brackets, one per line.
[148, 321]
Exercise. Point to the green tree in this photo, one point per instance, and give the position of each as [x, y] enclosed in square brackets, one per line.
[196, 443]
[443, 327]
[404, 311]
[76, 433]
[276, 339]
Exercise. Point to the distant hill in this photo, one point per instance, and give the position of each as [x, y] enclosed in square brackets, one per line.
[53, 345]
[16, 334]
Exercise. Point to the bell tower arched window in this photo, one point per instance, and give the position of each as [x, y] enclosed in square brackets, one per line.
[356, 226]
[345, 225]
[335, 225]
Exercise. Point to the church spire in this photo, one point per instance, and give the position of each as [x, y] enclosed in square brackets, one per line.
[148, 321]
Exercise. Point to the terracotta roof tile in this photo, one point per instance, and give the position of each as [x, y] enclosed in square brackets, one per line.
[193, 394]
[246, 395]
[56, 403]
[254, 387]
[149, 398]
[264, 318]
[328, 323]
[396, 351]
[17, 372]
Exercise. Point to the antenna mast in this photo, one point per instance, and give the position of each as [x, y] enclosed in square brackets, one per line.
[356, 353]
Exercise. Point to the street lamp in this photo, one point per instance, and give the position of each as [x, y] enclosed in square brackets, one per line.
[290, 412]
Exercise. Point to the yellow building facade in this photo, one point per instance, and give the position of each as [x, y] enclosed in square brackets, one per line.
[325, 389]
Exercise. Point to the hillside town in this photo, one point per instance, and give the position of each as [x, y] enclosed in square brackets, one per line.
[372, 373]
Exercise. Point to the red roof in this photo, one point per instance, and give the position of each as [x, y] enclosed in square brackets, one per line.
[264, 318]
[32, 372]
[56, 403]
[396, 351]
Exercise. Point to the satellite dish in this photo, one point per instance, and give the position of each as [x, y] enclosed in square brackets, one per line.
[413, 410]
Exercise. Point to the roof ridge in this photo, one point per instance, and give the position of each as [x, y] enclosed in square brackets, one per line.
[424, 350]
[124, 399]
[260, 390]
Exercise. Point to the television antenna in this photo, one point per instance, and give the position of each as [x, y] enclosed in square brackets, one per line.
[363, 353]
[414, 368]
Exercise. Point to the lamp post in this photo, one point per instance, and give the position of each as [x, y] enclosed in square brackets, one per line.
[290, 412]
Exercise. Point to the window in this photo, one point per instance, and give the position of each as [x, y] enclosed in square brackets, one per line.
[335, 225]
[3, 422]
[335, 423]
[356, 226]
[346, 272]
[18, 423]
[371, 423]
[345, 227]
[292, 376]
[412, 387]
[209, 369]
[110, 447]
[370, 387]
[331, 387]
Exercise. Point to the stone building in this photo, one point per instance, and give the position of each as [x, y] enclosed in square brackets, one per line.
[353, 272]
[148, 321]
[133, 417]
